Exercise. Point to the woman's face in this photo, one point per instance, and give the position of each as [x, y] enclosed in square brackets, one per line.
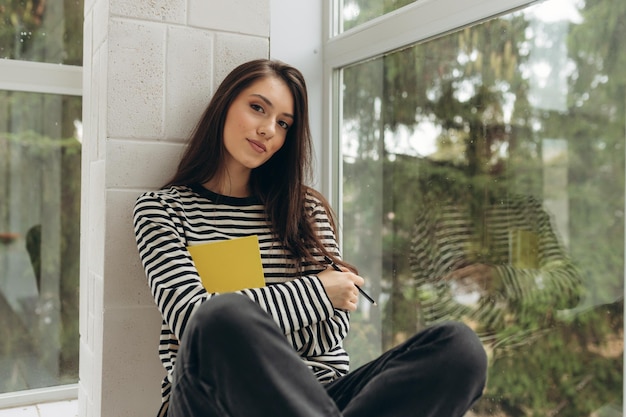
[256, 124]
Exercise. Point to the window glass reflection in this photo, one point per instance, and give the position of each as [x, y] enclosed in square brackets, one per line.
[483, 181]
[39, 239]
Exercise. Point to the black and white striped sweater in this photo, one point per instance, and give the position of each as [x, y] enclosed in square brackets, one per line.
[169, 220]
[533, 273]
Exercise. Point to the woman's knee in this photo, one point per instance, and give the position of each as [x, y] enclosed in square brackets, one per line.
[224, 314]
[463, 351]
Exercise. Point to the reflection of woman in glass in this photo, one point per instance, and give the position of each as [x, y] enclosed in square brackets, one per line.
[276, 350]
[513, 265]
[482, 253]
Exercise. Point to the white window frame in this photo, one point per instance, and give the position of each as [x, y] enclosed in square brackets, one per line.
[419, 21]
[39, 77]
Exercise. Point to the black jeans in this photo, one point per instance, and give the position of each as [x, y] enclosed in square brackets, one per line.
[235, 362]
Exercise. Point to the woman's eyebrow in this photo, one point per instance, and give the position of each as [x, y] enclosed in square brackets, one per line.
[269, 103]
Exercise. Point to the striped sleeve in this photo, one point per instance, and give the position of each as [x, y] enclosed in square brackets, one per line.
[325, 327]
[171, 274]
[443, 239]
[331, 332]
[555, 280]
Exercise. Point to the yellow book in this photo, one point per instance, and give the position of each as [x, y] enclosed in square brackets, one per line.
[229, 265]
[523, 249]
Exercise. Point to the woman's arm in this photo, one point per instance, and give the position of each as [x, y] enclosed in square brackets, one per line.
[323, 332]
[553, 279]
[172, 276]
[545, 274]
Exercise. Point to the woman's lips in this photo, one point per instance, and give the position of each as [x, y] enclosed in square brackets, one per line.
[257, 146]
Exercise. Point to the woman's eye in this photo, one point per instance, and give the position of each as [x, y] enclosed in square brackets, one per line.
[284, 125]
[256, 107]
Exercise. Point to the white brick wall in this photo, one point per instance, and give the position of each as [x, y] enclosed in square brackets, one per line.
[150, 67]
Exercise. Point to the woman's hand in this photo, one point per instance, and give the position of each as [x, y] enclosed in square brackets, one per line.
[341, 288]
[474, 277]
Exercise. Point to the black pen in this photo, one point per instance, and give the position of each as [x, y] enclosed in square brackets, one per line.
[363, 293]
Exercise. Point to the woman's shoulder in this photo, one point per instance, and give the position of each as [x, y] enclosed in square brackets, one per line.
[313, 199]
[175, 194]
[316, 205]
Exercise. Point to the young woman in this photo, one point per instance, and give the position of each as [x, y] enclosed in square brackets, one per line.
[277, 350]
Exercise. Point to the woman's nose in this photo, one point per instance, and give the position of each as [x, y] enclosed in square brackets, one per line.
[267, 130]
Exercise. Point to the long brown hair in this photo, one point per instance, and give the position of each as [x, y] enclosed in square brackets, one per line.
[279, 182]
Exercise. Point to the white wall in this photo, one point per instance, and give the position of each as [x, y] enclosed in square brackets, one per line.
[296, 38]
[150, 67]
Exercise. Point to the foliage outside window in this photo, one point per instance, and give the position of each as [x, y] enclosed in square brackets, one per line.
[40, 155]
[497, 151]
[356, 12]
[42, 31]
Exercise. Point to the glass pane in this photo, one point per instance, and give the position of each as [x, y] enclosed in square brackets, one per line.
[355, 12]
[42, 31]
[483, 181]
[39, 239]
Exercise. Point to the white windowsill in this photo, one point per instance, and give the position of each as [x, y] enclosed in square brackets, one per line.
[54, 409]
[57, 401]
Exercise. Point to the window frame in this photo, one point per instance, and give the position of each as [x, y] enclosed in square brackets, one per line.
[43, 78]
